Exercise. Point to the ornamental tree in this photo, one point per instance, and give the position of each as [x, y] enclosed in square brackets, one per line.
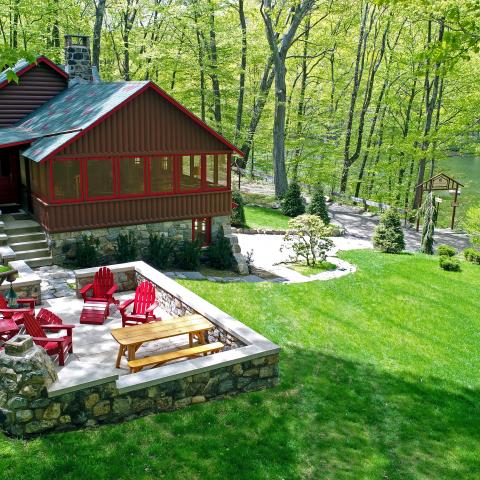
[307, 238]
[429, 210]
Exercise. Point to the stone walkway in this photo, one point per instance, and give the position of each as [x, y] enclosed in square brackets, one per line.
[57, 282]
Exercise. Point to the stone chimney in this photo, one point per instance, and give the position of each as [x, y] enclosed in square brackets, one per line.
[78, 63]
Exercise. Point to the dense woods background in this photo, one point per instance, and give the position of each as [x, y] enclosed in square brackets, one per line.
[364, 96]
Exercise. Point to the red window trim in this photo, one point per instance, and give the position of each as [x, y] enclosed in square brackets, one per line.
[176, 190]
[208, 229]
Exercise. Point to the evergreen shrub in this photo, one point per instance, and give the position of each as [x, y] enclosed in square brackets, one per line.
[388, 236]
[318, 205]
[160, 251]
[292, 203]
[472, 255]
[450, 264]
[238, 214]
[87, 251]
[446, 251]
[187, 254]
[219, 252]
[126, 247]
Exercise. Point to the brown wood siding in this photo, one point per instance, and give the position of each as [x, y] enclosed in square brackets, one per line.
[82, 216]
[35, 87]
[147, 124]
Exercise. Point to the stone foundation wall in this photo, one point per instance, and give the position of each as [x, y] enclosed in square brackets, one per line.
[126, 280]
[27, 284]
[63, 245]
[26, 408]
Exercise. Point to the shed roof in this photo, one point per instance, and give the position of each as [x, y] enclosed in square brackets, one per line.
[74, 111]
[23, 66]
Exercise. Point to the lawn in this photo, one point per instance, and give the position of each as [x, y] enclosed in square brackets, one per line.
[268, 218]
[379, 380]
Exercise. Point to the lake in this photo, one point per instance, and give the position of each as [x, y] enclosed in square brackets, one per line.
[465, 169]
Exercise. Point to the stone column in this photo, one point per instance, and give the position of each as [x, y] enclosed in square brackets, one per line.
[26, 371]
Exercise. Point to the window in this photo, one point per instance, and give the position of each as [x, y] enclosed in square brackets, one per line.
[161, 174]
[100, 178]
[191, 172]
[217, 173]
[39, 178]
[132, 175]
[202, 230]
[66, 180]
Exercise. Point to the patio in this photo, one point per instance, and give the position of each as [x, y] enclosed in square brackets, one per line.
[90, 390]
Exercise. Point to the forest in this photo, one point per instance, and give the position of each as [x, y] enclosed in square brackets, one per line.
[366, 97]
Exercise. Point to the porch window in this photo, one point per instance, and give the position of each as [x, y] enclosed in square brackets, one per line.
[217, 173]
[39, 178]
[161, 174]
[202, 230]
[191, 172]
[66, 180]
[132, 176]
[100, 178]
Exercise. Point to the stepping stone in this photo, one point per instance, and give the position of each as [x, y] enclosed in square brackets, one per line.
[194, 275]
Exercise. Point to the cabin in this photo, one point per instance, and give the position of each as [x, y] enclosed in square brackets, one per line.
[81, 155]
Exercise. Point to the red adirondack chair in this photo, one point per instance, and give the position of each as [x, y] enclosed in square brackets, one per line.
[25, 303]
[60, 346]
[144, 304]
[102, 288]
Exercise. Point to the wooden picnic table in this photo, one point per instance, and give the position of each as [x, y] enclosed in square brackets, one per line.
[132, 338]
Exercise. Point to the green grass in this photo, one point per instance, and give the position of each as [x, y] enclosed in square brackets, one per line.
[259, 199]
[4, 268]
[309, 270]
[379, 380]
[268, 218]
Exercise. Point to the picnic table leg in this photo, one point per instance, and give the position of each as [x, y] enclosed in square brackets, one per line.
[131, 351]
[121, 351]
[190, 340]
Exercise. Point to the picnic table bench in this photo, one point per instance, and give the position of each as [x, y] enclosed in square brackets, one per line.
[132, 338]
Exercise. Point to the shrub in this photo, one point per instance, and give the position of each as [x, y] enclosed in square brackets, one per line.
[472, 255]
[187, 254]
[307, 237]
[87, 251]
[292, 202]
[450, 264]
[446, 251]
[238, 214]
[429, 210]
[160, 251]
[318, 206]
[126, 247]
[388, 236]
[219, 252]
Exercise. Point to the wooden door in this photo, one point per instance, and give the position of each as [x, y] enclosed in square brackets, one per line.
[9, 176]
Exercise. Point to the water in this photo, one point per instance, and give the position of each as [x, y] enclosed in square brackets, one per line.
[466, 170]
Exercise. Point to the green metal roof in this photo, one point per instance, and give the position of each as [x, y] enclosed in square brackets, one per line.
[67, 114]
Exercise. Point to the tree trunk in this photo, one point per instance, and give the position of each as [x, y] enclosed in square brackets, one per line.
[97, 32]
[279, 168]
[243, 66]
[431, 98]
[217, 104]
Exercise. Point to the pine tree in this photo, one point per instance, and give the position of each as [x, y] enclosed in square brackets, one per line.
[292, 203]
[318, 206]
[388, 236]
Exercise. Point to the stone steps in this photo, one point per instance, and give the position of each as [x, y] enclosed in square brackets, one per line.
[25, 240]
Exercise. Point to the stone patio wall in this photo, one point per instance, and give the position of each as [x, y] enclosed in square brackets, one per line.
[27, 284]
[27, 408]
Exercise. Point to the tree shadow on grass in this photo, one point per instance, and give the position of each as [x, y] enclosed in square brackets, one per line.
[329, 418]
